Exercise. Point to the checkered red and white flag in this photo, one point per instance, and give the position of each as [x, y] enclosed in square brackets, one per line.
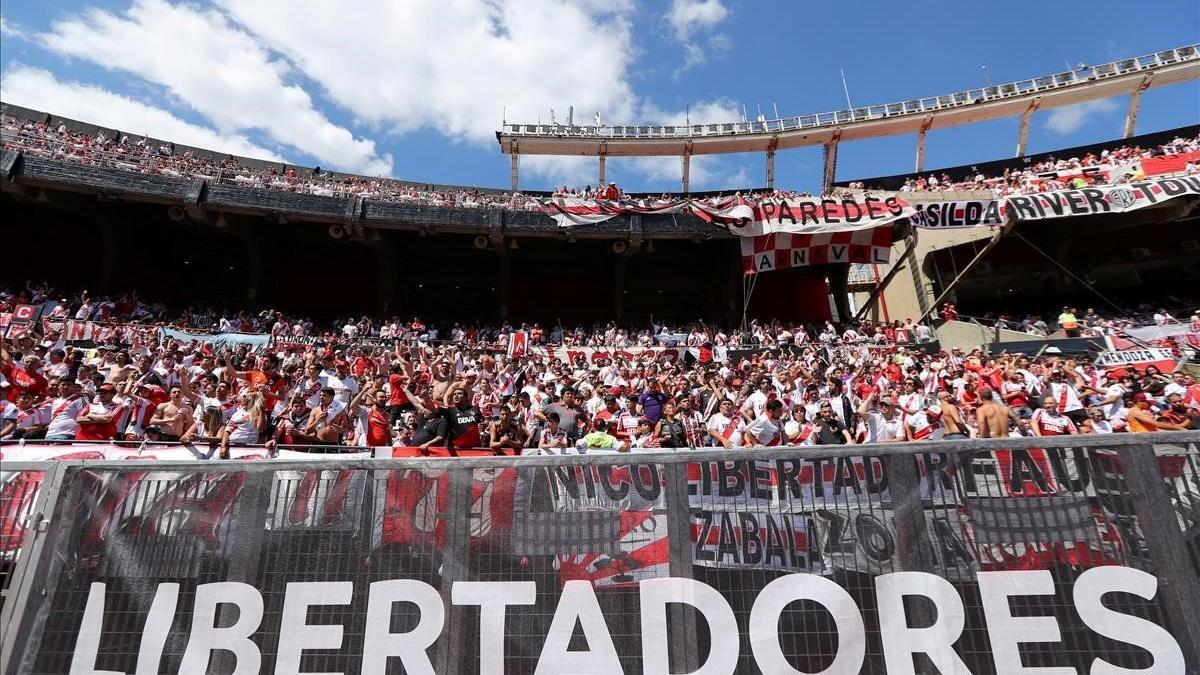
[771, 252]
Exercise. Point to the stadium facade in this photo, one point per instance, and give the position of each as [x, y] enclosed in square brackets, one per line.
[212, 241]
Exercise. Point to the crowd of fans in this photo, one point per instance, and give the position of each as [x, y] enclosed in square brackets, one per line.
[1089, 324]
[141, 155]
[463, 388]
[1120, 165]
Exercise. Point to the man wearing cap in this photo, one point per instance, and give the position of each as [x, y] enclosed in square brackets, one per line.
[1140, 418]
[650, 403]
[24, 419]
[883, 421]
[1068, 322]
[343, 382]
[99, 423]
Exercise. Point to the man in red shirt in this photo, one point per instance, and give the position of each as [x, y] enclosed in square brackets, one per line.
[99, 421]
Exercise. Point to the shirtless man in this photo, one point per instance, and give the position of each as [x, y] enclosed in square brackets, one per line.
[121, 370]
[174, 416]
[993, 417]
[952, 419]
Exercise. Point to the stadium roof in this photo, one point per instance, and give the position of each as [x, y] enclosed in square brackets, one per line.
[1126, 76]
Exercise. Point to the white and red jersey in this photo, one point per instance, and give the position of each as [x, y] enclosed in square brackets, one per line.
[728, 428]
[33, 417]
[805, 431]
[488, 403]
[311, 390]
[137, 416]
[924, 426]
[241, 428]
[1050, 424]
[100, 431]
[1015, 394]
[765, 430]
[1065, 397]
[881, 430]
[63, 412]
[910, 404]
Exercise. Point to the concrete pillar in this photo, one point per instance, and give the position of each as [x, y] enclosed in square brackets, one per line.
[254, 262]
[619, 283]
[830, 162]
[108, 259]
[1023, 131]
[925, 124]
[603, 161]
[386, 281]
[516, 169]
[837, 288]
[771, 162]
[687, 169]
[505, 281]
[1135, 102]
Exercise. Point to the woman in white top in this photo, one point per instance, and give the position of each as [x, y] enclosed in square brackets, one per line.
[1096, 423]
[246, 423]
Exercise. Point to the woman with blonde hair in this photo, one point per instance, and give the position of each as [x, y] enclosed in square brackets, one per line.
[248, 422]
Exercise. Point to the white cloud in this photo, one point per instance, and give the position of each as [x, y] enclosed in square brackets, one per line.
[40, 90]
[11, 30]
[454, 67]
[1069, 119]
[690, 20]
[218, 70]
[687, 15]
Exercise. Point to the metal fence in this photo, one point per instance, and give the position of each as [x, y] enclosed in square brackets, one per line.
[976, 556]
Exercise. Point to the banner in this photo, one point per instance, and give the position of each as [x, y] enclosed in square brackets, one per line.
[743, 217]
[788, 565]
[1099, 200]
[255, 341]
[1137, 359]
[782, 251]
[958, 214]
[593, 355]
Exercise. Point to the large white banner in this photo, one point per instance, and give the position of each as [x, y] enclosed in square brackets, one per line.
[1098, 200]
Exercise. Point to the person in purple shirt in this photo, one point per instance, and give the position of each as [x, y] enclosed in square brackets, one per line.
[650, 403]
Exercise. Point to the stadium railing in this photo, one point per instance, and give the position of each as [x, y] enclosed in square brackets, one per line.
[110, 542]
[1083, 74]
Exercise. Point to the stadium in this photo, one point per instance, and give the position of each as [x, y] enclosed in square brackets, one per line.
[269, 417]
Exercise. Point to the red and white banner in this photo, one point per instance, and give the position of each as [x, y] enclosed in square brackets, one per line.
[782, 251]
[518, 343]
[744, 217]
[594, 355]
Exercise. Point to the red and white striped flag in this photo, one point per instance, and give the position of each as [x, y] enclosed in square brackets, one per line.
[518, 344]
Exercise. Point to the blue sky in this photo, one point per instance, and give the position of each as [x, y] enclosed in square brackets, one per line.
[414, 89]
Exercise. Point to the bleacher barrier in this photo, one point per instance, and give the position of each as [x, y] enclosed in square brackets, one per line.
[1069, 554]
